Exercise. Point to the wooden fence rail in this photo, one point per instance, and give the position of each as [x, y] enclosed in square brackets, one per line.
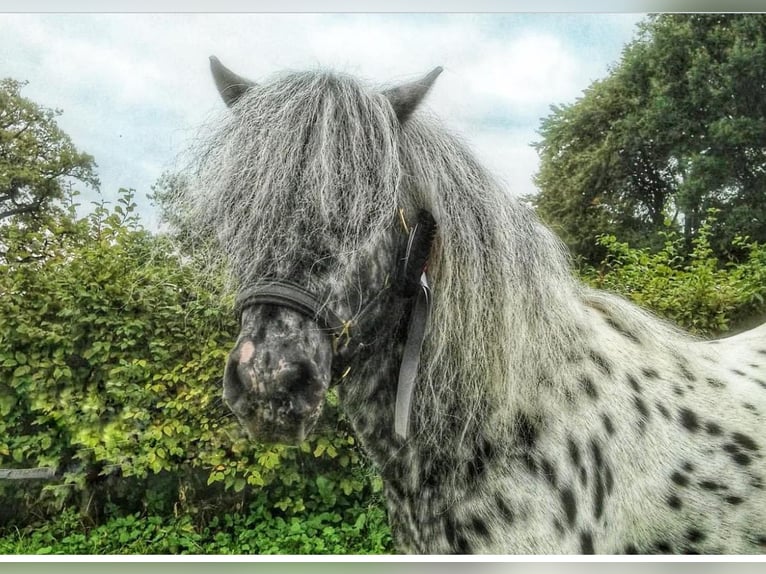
[27, 473]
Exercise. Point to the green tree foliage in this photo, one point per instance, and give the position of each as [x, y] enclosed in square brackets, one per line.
[676, 128]
[37, 159]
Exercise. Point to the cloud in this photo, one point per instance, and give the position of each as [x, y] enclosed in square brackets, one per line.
[134, 87]
[524, 71]
[508, 156]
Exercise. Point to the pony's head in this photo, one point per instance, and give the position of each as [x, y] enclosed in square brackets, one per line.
[305, 175]
[308, 185]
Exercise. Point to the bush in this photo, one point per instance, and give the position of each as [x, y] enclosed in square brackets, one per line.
[254, 532]
[111, 354]
[695, 292]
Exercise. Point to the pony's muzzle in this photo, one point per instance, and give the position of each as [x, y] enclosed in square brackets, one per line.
[276, 396]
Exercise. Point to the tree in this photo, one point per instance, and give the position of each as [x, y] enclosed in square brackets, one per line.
[37, 159]
[676, 128]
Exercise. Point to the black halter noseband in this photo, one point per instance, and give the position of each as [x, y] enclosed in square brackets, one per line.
[293, 296]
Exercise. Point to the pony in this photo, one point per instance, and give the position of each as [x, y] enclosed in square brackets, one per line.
[509, 408]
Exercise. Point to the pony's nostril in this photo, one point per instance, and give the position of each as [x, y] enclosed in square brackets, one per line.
[233, 384]
[299, 377]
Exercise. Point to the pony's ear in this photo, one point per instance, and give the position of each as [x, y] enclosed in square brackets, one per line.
[405, 98]
[230, 85]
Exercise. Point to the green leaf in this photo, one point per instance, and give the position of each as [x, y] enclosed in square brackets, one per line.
[239, 484]
[21, 371]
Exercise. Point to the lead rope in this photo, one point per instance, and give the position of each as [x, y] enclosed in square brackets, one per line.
[411, 358]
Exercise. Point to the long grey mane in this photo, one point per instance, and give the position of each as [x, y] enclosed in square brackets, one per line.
[315, 159]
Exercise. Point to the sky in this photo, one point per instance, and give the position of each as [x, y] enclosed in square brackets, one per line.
[135, 88]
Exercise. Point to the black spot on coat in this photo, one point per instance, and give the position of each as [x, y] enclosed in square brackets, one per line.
[715, 383]
[529, 462]
[679, 479]
[650, 373]
[643, 411]
[483, 455]
[480, 527]
[741, 458]
[608, 424]
[687, 374]
[526, 432]
[589, 387]
[712, 486]
[574, 452]
[548, 472]
[601, 362]
[586, 543]
[744, 441]
[694, 535]
[621, 330]
[689, 419]
[457, 541]
[570, 505]
[505, 511]
[598, 497]
[597, 457]
[713, 429]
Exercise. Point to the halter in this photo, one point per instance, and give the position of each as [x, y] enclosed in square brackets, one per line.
[411, 283]
[292, 296]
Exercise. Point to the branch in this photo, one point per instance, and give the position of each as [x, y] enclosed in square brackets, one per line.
[32, 207]
[21, 131]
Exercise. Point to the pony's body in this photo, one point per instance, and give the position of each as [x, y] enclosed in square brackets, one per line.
[547, 418]
[655, 449]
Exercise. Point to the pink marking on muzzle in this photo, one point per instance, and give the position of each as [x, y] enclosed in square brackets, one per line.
[246, 352]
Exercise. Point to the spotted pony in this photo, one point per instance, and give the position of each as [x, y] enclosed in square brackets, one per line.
[509, 408]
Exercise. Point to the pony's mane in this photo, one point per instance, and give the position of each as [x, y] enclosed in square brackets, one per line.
[506, 307]
[504, 298]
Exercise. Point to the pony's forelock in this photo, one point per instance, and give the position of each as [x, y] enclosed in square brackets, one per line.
[322, 127]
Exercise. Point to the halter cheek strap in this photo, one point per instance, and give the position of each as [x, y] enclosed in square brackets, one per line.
[408, 370]
[412, 283]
